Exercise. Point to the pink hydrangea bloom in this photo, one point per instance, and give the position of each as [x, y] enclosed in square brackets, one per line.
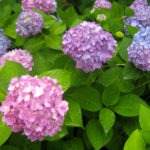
[18, 55]
[102, 4]
[44, 5]
[89, 45]
[34, 106]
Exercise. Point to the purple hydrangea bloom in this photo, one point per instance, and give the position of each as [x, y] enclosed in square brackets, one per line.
[102, 4]
[138, 3]
[142, 14]
[34, 106]
[21, 56]
[4, 43]
[29, 23]
[139, 50]
[44, 5]
[88, 45]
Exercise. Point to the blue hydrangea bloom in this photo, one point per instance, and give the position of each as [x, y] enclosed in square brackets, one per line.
[139, 50]
[4, 42]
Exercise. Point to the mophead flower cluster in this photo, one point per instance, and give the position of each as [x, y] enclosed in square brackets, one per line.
[29, 23]
[47, 6]
[89, 45]
[102, 4]
[35, 106]
[18, 55]
[4, 43]
[139, 50]
[138, 3]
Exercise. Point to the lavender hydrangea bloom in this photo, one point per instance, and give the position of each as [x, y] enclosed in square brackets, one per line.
[29, 23]
[102, 4]
[21, 56]
[88, 45]
[34, 106]
[4, 43]
[138, 3]
[44, 5]
[139, 50]
[142, 14]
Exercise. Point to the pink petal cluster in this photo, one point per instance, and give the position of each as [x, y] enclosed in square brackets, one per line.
[34, 106]
[102, 4]
[18, 55]
[47, 6]
[89, 45]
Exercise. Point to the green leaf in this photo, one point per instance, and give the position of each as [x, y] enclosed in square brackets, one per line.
[146, 135]
[135, 141]
[96, 134]
[5, 132]
[128, 105]
[87, 97]
[144, 117]
[8, 147]
[107, 119]
[33, 44]
[75, 144]
[53, 41]
[123, 48]
[58, 136]
[126, 86]
[11, 69]
[63, 77]
[68, 16]
[110, 76]
[74, 115]
[58, 28]
[130, 72]
[129, 12]
[132, 30]
[57, 145]
[111, 95]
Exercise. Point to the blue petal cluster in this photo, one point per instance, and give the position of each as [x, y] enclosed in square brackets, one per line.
[139, 50]
[4, 42]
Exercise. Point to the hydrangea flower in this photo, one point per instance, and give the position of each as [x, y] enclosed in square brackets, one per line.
[139, 50]
[34, 106]
[4, 43]
[132, 21]
[138, 3]
[88, 45]
[102, 4]
[142, 14]
[29, 23]
[21, 56]
[44, 5]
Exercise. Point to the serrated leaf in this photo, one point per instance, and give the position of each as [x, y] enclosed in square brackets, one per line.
[130, 72]
[96, 134]
[111, 95]
[135, 141]
[63, 77]
[144, 117]
[11, 69]
[123, 48]
[74, 115]
[146, 135]
[5, 132]
[88, 98]
[110, 76]
[128, 105]
[107, 119]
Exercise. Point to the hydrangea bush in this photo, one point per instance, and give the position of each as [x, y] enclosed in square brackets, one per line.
[74, 75]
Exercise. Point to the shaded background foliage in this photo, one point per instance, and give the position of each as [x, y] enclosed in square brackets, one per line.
[108, 108]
